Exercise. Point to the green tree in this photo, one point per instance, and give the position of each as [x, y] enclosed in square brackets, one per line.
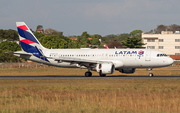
[136, 33]
[133, 42]
[38, 35]
[1, 34]
[10, 35]
[114, 44]
[95, 39]
[174, 27]
[39, 27]
[83, 39]
[7, 46]
[74, 44]
[50, 31]
[96, 36]
[110, 38]
[65, 38]
[85, 35]
[101, 46]
[53, 41]
[123, 36]
[160, 28]
[150, 32]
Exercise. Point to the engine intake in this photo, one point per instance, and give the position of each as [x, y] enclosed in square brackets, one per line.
[105, 68]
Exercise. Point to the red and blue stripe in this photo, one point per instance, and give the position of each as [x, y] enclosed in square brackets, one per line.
[28, 40]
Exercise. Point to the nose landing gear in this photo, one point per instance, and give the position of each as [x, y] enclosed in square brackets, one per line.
[150, 72]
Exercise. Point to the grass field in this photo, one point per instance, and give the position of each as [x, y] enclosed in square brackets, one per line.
[171, 70]
[90, 96]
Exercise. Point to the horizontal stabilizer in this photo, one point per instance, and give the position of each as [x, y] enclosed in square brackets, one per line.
[20, 53]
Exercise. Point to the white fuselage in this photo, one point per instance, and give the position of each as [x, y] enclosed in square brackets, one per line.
[121, 58]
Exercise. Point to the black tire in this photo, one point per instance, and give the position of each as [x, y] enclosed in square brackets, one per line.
[88, 74]
[151, 75]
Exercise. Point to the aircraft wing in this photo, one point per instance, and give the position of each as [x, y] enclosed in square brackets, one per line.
[80, 61]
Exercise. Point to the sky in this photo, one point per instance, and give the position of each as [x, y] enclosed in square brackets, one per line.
[103, 17]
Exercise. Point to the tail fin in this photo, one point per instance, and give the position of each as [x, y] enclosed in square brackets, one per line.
[106, 46]
[27, 38]
[28, 41]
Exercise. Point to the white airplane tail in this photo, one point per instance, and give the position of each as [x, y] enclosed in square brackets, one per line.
[28, 41]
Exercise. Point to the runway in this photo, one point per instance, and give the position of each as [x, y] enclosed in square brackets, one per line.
[93, 77]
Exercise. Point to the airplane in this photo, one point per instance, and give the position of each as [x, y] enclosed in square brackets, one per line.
[104, 61]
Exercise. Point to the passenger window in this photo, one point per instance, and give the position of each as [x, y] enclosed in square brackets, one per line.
[161, 55]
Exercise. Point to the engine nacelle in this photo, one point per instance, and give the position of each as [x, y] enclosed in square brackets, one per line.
[105, 68]
[127, 70]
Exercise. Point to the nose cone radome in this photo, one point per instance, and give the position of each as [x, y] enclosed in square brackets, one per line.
[170, 61]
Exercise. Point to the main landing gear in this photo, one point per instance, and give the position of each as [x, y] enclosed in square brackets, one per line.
[88, 73]
[150, 72]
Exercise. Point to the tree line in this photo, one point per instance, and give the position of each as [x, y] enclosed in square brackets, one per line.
[54, 39]
[162, 27]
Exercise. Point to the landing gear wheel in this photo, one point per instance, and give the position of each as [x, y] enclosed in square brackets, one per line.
[88, 74]
[151, 75]
[150, 72]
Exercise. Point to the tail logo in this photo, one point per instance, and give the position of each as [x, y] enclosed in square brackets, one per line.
[28, 41]
[23, 27]
[140, 53]
[22, 30]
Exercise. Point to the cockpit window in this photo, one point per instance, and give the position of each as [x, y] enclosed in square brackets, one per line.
[161, 55]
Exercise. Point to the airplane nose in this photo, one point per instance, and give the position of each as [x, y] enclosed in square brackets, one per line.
[170, 61]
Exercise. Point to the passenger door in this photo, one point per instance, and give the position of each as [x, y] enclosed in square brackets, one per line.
[148, 55]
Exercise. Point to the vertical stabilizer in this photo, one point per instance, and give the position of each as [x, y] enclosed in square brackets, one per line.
[27, 38]
[28, 41]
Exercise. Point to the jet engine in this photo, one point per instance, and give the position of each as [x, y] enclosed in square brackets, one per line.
[105, 68]
[127, 70]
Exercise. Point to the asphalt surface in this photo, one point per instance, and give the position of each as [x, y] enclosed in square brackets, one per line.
[93, 77]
